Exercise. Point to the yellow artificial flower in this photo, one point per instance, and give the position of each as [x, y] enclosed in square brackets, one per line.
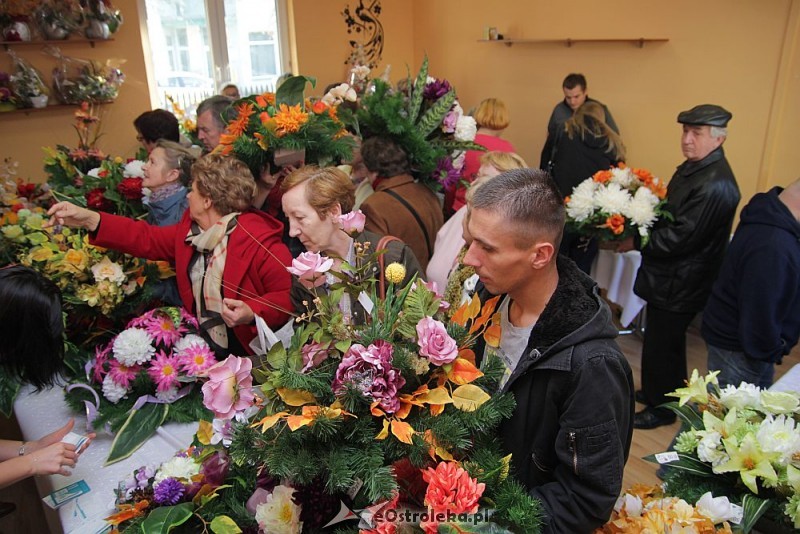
[395, 273]
[696, 390]
[41, 254]
[749, 461]
[78, 259]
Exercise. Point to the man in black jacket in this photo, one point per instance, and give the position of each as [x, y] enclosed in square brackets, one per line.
[683, 256]
[571, 431]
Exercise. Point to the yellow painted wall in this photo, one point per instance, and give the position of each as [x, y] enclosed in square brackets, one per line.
[22, 136]
[741, 54]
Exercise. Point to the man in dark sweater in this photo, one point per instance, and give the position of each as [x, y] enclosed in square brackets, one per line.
[752, 319]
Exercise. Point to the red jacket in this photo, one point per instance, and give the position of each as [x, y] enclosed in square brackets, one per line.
[248, 267]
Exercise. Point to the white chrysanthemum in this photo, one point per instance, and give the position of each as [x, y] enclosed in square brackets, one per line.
[581, 204]
[133, 346]
[113, 391]
[178, 467]
[612, 199]
[279, 514]
[466, 128]
[745, 396]
[134, 169]
[623, 177]
[644, 194]
[779, 435]
[169, 395]
[94, 172]
[710, 449]
[187, 341]
[641, 213]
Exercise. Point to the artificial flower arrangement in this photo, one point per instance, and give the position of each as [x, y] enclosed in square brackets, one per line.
[285, 121]
[77, 80]
[365, 421]
[742, 442]
[28, 83]
[646, 509]
[148, 374]
[617, 203]
[102, 19]
[186, 122]
[58, 18]
[426, 121]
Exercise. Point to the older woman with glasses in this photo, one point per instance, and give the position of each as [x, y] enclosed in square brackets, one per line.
[229, 260]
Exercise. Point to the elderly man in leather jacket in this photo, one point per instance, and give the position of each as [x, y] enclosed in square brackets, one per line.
[683, 257]
[570, 433]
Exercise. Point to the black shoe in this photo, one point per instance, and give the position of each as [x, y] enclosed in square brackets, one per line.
[639, 396]
[653, 418]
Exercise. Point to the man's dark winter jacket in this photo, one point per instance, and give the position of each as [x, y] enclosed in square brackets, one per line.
[755, 304]
[683, 256]
[571, 431]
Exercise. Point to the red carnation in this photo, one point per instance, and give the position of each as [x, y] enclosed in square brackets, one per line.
[26, 190]
[130, 188]
[96, 199]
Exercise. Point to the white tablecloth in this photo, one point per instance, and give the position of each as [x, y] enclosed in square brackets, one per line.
[39, 414]
[790, 381]
[616, 272]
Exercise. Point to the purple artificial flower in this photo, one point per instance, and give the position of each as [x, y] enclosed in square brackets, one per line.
[449, 122]
[436, 89]
[369, 370]
[446, 173]
[215, 468]
[169, 491]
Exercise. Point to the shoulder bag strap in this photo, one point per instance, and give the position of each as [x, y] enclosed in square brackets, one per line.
[410, 208]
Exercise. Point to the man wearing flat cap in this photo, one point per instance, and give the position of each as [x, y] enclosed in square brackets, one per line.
[683, 256]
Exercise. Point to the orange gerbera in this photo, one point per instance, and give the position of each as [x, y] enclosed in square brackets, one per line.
[238, 126]
[289, 119]
[265, 99]
[602, 177]
[615, 223]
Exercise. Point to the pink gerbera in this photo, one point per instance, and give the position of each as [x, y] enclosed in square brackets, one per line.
[196, 358]
[188, 318]
[100, 359]
[164, 330]
[142, 320]
[123, 374]
[164, 371]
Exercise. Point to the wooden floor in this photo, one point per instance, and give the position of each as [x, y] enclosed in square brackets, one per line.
[28, 517]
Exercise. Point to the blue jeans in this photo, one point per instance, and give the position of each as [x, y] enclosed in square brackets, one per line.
[736, 367]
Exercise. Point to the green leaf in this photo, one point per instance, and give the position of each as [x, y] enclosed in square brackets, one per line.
[416, 91]
[435, 115]
[687, 414]
[162, 520]
[687, 463]
[343, 345]
[754, 508]
[292, 91]
[9, 389]
[222, 524]
[140, 425]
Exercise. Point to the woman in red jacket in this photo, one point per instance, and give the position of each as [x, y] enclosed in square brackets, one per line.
[229, 260]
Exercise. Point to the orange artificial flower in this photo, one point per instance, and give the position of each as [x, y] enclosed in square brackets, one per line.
[289, 119]
[262, 142]
[658, 188]
[238, 126]
[602, 177]
[266, 99]
[319, 107]
[128, 511]
[264, 117]
[615, 223]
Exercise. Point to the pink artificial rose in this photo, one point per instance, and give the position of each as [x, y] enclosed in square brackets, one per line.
[435, 343]
[309, 268]
[229, 388]
[313, 354]
[353, 222]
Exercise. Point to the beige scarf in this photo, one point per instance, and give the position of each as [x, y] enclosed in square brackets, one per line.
[205, 271]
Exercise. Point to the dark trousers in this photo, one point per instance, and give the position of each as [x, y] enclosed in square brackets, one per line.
[664, 354]
[579, 248]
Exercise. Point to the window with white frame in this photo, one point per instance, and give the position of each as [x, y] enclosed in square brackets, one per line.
[198, 46]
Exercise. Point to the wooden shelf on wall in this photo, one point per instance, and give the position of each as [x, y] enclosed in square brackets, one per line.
[50, 107]
[640, 41]
[80, 40]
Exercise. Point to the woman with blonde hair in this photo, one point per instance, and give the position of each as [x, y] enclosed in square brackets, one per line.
[229, 260]
[450, 239]
[492, 119]
[587, 144]
[314, 201]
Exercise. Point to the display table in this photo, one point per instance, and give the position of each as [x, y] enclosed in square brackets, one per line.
[40, 414]
[616, 272]
[790, 381]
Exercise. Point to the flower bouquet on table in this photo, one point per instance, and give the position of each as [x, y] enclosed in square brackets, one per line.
[645, 509]
[742, 443]
[426, 121]
[617, 203]
[270, 127]
[148, 374]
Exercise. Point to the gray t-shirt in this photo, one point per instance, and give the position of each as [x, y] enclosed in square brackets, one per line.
[513, 341]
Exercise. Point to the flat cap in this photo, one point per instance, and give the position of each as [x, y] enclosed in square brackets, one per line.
[706, 114]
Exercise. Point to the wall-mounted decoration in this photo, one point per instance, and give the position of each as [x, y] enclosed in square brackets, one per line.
[362, 21]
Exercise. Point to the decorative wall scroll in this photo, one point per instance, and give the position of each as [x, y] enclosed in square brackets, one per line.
[363, 20]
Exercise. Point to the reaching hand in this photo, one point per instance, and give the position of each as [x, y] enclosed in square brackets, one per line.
[68, 214]
[236, 312]
[55, 458]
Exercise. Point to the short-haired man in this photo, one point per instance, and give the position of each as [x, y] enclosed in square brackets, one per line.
[752, 319]
[213, 113]
[574, 87]
[683, 256]
[571, 431]
[154, 125]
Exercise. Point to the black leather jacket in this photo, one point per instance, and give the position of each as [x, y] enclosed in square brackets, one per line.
[683, 257]
[571, 431]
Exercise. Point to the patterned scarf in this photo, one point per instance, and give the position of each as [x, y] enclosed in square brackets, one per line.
[205, 271]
